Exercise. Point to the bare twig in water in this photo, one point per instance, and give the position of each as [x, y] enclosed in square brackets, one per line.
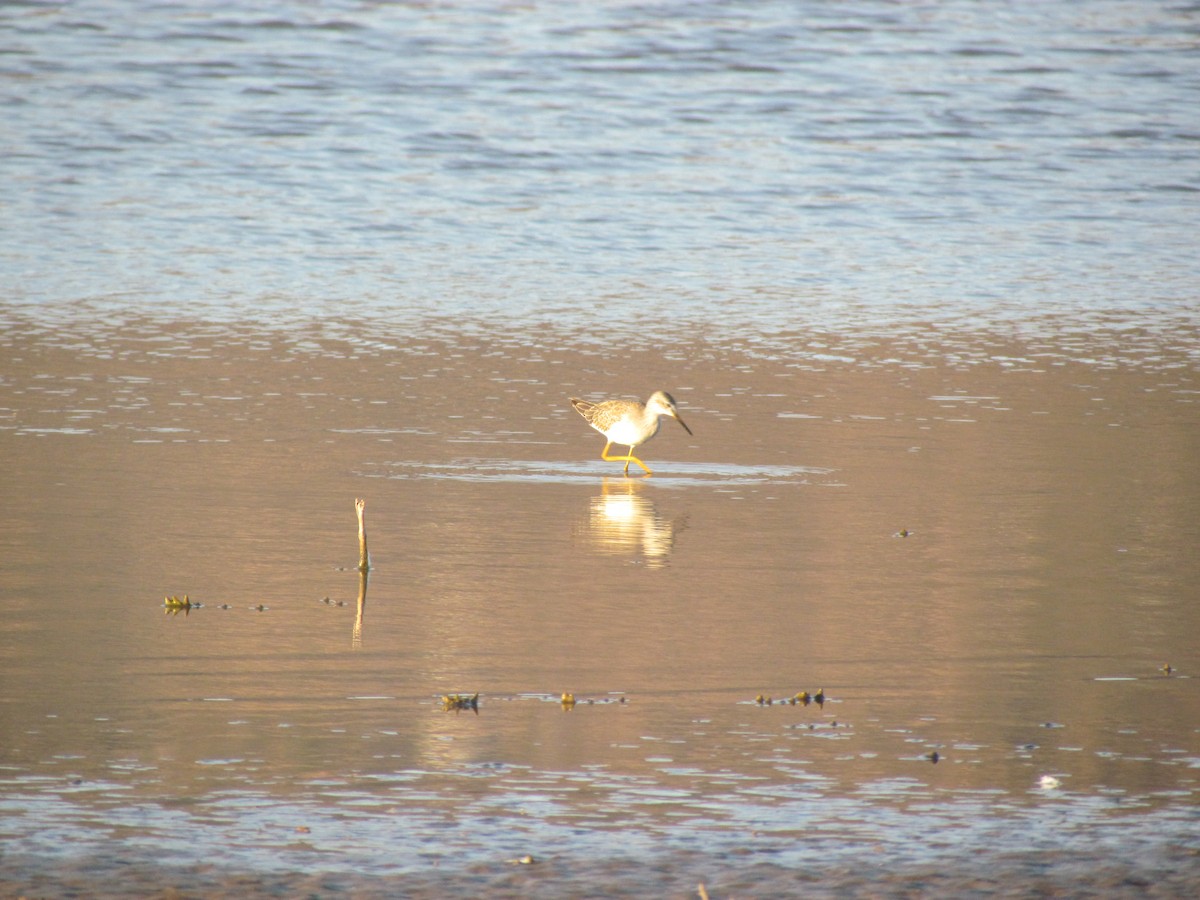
[364, 558]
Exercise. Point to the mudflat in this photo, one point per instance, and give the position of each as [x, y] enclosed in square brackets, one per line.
[978, 547]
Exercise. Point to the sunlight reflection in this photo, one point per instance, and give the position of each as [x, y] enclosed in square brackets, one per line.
[621, 520]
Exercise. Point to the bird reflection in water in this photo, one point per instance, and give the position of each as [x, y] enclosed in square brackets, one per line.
[622, 520]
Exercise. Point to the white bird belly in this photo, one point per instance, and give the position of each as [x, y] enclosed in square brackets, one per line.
[631, 433]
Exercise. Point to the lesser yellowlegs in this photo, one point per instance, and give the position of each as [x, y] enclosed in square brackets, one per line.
[628, 422]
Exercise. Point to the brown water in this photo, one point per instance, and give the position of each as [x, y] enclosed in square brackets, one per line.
[1047, 486]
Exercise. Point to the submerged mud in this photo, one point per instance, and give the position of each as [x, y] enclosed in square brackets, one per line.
[978, 550]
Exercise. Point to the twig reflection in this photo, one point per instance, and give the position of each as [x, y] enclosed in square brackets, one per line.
[356, 638]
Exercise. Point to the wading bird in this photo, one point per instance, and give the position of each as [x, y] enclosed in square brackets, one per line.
[628, 423]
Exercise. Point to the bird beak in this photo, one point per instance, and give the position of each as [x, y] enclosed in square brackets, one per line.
[683, 423]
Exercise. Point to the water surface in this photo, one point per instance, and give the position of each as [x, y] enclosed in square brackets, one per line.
[922, 279]
[989, 559]
[826, 162]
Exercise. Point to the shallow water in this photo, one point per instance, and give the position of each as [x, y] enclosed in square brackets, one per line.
[987, 554]
[922, 279]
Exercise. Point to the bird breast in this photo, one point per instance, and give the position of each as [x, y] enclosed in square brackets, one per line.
[632, 432]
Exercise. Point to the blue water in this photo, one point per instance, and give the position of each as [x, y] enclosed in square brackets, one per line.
[755, 166]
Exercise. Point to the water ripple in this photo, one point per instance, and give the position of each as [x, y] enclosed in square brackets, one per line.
[757, 166]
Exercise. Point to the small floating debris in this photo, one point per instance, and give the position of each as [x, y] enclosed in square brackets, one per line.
[903, 533]
[261, 607]
[1049, 783]
[526, 860]
[173, 605]
[1166, 669]
[458, 702]
[569, 700]
[803, 698]
[933, 756]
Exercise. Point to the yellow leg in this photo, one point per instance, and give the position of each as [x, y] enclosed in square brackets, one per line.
[625, 459]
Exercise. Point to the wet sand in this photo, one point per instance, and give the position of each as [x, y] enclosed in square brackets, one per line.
[978, 544]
